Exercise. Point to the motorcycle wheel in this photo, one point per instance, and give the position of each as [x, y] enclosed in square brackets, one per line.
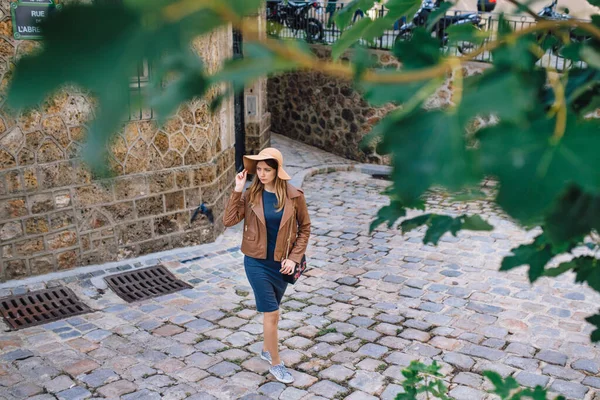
[466, 47]
[314, 30]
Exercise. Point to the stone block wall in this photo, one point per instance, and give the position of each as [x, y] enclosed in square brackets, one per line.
[54, 215]
[329, 113]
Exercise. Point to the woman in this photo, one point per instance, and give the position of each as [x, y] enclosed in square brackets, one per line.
[275, 237]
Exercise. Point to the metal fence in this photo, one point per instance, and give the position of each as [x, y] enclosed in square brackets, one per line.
[316, 24]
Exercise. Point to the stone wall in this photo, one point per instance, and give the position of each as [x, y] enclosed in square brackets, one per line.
[328, 113]
[54, 215]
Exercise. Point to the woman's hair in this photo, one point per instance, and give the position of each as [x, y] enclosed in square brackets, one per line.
[257, 186]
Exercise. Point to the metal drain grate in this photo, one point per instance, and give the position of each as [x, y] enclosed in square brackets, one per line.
[145, 283]
[40, 307]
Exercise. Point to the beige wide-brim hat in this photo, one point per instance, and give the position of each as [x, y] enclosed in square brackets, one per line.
[266, 154]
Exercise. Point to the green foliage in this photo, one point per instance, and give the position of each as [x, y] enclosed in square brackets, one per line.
[421, 378]
[540, 148]
[427, 379]
[438, 225]
[509, 389]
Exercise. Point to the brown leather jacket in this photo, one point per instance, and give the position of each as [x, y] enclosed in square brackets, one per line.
[254, 242]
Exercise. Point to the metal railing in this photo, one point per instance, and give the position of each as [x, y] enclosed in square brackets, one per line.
[320, 17]
[138, 84]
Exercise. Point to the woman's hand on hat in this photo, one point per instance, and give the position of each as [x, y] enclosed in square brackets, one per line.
[287, 267]
[240, 180]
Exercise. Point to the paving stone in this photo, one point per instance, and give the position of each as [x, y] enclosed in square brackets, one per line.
[483, 352]
[499, 368]
[117, 389]
[531, 380]
[466, 393]
[20, 354]
[240, 339]
[367, 381]
[358, 395]
[272, 389]
[391, 391]
[591, 381]
[336, 373]
[292, 393]
[459, 360]
[399, 358]
[97, 335]
[224, 369]
[25, 390]
[232, 322]
[366, 334]
[210, 346]
[143, 395]
[59, 384]
[552, 357]
[570, 390]
[202, 360]
[212, 315]
[361, 321]
[302, 380]
[256, 364]
[413, 334]
[393, 342]
[99, 378]
[199, 326]
[327, 389]
[468, 379]
[81, 367]
[586, 365]
[298, 342]
[247, 379]
[74, 393]
[564, 373]
[159, 381]
[520, 349]
[373, 350]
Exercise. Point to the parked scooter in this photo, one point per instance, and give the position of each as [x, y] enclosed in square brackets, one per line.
[549, 13]
[439, 28]
[294, 15]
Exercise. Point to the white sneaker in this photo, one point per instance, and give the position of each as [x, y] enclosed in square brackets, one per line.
[281, 373]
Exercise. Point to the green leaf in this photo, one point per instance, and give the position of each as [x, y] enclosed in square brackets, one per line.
[587, 269]
[389, 214]
[503, 94]
[437, 14]
[467, 33]
[258, 61]
[400, 8]
[502, 387]
[470, 194]
[573, 217]
[349, 37]
[533, 169]
[595, 3]
[561, 269]
[422, 50]
[536, 255]
[591, 56]
[431, 152]
[190, 83]
[345, 14]
[515, 54]
[475, 223]
[438, 225]
[582, 90]
[245, 7]
[595, 320]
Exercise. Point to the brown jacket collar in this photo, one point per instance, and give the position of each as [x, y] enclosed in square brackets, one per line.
[292, 192]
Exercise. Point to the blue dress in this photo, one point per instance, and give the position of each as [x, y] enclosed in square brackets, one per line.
[264, 276]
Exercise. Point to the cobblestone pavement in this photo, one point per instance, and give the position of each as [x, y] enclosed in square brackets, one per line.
[368, 305]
